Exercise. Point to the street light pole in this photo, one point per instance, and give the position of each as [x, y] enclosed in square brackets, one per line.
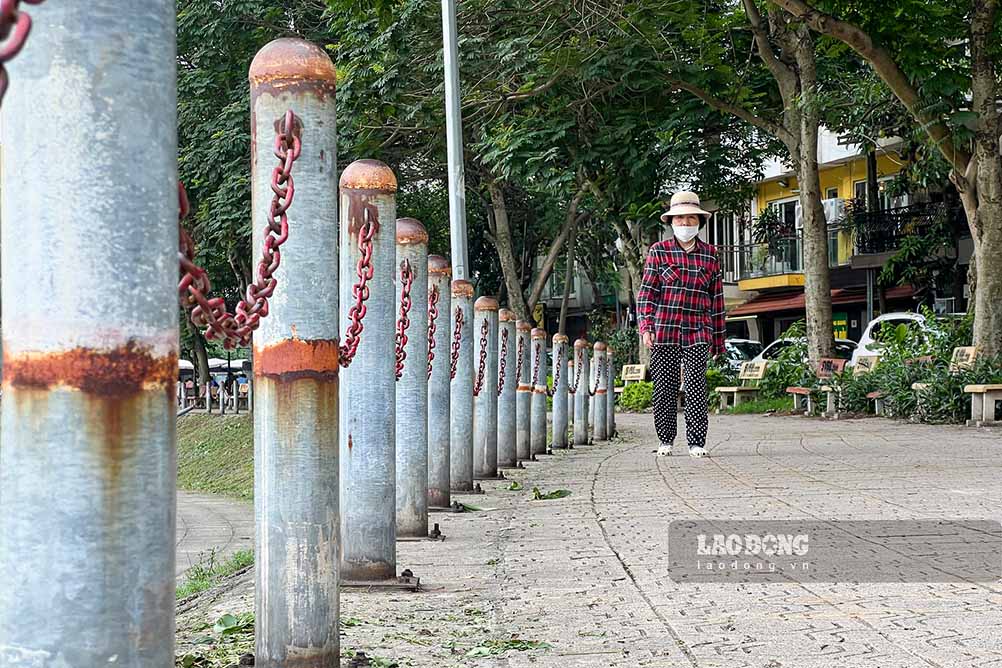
[454, 142]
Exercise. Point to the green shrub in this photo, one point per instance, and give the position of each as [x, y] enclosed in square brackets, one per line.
[637, 396]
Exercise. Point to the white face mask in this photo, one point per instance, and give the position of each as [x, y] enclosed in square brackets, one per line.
[685, 233]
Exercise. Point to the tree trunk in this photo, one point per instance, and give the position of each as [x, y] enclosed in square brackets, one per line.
[571, 221]
[198, 347]
[569, 275]
[634, 259]
[872, 193]
[506, 254]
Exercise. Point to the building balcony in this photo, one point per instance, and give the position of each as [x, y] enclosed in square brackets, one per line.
[778, 263]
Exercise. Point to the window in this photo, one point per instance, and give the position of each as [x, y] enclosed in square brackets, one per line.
[884, 200]
[831, 193]
[787, 210]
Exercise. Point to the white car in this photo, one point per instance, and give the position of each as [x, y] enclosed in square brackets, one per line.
[869, 344]
[844, 349]
[741, 350]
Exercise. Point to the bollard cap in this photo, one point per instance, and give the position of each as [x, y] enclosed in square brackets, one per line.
[600, 346]
[582, 343]
[438, 265]
[369, 175]
[506, 315]
[462, 288]
[485, 304]
[289, 63]
[523, 325]
[411, 231]
[538, 333]
[560, 338]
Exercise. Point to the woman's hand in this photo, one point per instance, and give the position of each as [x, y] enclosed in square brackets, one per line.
[648, 338]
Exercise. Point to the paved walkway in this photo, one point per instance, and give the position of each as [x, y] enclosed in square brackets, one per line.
[206, 522]
[586, 574]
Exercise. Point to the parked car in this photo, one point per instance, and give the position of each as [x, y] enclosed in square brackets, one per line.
[869, 342]
[843, 349]
[741, 350]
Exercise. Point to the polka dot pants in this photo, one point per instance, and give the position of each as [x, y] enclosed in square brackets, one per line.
[665, 362]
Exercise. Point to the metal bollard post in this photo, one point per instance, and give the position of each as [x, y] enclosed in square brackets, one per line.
[601, 377]
[538, 409]
[523, 391]
[90, 338]
[507, 385]
[571, 390]
[296, 368]
[368, 418]
[208, 397]
[581, 396]
[412, 380]
[439, 306]
[485, 402]
[461, 394]
[610, 397]
[560, 381]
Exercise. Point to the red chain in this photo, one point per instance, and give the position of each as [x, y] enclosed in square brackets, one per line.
[432, 316]
[457, 336]
[556, 372]
[535, 365]
[210, 313]
[598, 377]
[407, 280]
[518, 365]
[484, 331]
[573, 389]
[18, 23]
[504, 360]
[368, 225]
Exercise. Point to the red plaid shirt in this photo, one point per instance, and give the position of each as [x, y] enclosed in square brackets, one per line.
[681, 298]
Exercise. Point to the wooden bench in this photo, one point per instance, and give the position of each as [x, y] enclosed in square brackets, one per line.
[750, 376]
[827, 367]
[983, 398]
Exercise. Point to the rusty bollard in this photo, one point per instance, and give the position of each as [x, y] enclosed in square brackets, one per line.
[560, 381]
[461, 406]
[440, 306]
[523, 391]
[507, 386]
[538, 408]
[599, 409]
[583, 376]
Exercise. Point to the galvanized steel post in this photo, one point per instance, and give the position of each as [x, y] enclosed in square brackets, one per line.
[610, 397]
[560, 381]
[485, 402]
[507, 382]
[461, 395]
[523, 392]
[571, 390]
[368, 416]
[296, 368]
[90, 339]
[599, 408]
[412, 382]
[538, 409]
[439, 293]
[581, 397]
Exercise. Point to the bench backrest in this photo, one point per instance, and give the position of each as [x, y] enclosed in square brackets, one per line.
[829, 366]
[752, 372]
[634, 372]
[865, 364]
[963, 358]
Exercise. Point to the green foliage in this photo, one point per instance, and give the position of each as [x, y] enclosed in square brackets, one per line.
[216, 454]
[232, 624]
[503, 646]
[210, 571]
[791, 368]
[549, 496]
[637, 396]
[759, 406]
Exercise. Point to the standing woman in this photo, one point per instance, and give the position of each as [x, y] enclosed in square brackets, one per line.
[680, 307]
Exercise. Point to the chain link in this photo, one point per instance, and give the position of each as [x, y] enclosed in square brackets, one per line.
[504, 360]
[457, 336]
[598, 377]
[535, 365]
[367, 228]
[433, 297]
[404, 322]
[578, 363]
[14, 28]
[211, 313]
[484, 331]
[518, 364]
[556, 372]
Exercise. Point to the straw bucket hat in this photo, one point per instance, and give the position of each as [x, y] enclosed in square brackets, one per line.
[684, 203]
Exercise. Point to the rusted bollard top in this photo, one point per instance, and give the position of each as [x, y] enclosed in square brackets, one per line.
[439, 266]
[411, 231]
[485, 304]
[506, 315]
[462, 288]
[538, 333]
[582, 343]
[292, 64]
[600, 346]
[523, 325]
[371, 175]
[560, 338]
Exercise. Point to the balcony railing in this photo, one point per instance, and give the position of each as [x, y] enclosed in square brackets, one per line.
[883, 231]
[784, 255]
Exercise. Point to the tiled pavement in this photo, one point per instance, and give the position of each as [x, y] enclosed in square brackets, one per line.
[207, 523]
[586, 573]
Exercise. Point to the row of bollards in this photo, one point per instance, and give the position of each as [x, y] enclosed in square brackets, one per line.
[380, 387]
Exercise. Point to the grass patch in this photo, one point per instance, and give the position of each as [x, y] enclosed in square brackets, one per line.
[762, 406]
[216, 454]
[210, 572]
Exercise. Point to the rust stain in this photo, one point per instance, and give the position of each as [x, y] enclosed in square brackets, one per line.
[118, 372]
[351, 443]
[560, 338]
[369, 175]
[359, 211]
[582, 343]
[290, 65]
[299, 358]
[486, 304]
[462, 288]
[439, 265]
[411, 231]
[506, 315]
[600, 346]
[538, 333]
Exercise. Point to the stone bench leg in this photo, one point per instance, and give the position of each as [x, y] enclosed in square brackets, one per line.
[878, 406]
[977, 409]
[723, 402]
[988, 403]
